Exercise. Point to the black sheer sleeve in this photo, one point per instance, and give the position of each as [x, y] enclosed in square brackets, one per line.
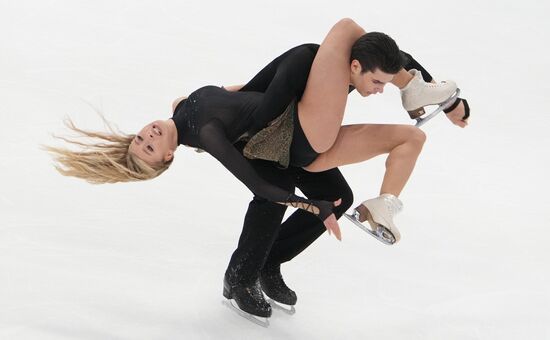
[213, 140]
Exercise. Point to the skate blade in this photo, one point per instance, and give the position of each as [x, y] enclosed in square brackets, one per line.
[382, 234]
[287, 309]
[263, 322]
[423, 120]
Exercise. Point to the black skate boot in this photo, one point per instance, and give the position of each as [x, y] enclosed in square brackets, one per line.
[249, 298]
[275, 287]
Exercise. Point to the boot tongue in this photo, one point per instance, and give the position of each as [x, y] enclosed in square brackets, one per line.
[417, 77]
[255, 290]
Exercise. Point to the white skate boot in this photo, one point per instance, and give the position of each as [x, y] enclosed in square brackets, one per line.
[417, 94]
[379, 212]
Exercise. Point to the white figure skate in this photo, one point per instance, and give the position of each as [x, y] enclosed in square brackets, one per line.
[418, 94]
[378, 212]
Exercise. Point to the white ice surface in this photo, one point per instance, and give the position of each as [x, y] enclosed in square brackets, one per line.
[146, 260]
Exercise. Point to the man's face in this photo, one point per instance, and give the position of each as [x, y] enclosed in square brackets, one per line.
[370, 82]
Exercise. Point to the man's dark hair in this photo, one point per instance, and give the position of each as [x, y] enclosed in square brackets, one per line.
[376, 50]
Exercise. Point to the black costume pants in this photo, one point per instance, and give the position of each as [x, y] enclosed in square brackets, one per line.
[264, 240]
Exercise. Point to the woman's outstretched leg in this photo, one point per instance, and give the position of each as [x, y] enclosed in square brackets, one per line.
[321, 108]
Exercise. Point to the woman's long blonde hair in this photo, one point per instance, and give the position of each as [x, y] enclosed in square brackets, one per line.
[103, 158]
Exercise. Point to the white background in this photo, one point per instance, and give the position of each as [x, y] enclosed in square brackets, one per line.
[146, 260]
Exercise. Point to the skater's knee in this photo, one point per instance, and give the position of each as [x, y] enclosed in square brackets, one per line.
[345, 22]
[344, 33]
[419, 136]
[346, 195]
[416, 136]
[347, 200]
[346, 25]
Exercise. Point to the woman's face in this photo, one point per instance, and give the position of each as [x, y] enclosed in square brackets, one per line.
[369, 82]
[153, 144]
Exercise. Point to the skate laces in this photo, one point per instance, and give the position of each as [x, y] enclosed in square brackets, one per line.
[392, 203]
[255, 290]
[439, 84]
[273, 277]
[417, 76]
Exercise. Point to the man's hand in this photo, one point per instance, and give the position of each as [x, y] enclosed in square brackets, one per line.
[332, 224]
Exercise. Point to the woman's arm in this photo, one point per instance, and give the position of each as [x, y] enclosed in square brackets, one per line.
[214, 141]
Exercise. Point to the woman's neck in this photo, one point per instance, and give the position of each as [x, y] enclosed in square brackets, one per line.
[173, 132]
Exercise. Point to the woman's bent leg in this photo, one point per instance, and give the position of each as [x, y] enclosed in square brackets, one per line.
[357, 143]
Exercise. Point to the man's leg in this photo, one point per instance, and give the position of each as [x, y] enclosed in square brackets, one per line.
[260, 229]
[261, 226]
[302, 228]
